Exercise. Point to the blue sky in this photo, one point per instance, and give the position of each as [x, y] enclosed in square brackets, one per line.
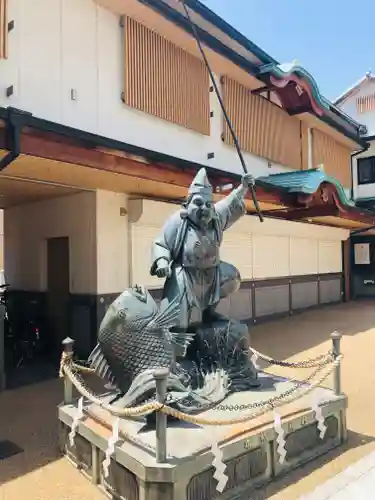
[333, 39]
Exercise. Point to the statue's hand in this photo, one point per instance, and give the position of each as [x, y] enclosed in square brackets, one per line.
[247, 180]
[163, 269]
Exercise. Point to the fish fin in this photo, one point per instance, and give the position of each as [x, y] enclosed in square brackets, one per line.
[100, 365]
[181, 339]
[167, 317]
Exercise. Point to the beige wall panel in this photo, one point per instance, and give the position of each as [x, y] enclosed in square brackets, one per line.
[146, 219]
[149, 212]
[259, 250]
[112, 242]
[155, 213]
[270, 256]
[142, 239]
[303, 256]
[330, 257]
[237, 249]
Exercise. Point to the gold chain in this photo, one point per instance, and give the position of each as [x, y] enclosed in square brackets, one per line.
[308, 363]
[156, 406]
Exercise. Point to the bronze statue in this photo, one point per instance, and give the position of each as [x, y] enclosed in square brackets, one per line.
[207, 354]
[187, 250]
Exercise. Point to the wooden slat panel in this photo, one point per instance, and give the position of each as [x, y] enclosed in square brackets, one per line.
[3, 29]
[305, 145]
[335, 157]
[163, 80]
[365, 103]
[263, 128]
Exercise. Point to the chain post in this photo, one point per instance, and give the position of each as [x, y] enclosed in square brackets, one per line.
[68, 344]
[161, 377]
[336, 339]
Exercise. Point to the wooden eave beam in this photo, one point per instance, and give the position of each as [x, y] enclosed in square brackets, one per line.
[51, 146]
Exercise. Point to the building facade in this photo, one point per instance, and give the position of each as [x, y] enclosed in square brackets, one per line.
[106, 113]
[359, 102]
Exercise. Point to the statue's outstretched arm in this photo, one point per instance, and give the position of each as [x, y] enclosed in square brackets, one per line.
[232, 207]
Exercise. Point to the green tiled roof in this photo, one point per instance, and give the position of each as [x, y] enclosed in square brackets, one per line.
[304, 181]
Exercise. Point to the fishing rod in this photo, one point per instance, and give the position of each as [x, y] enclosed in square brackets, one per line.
[225, 114]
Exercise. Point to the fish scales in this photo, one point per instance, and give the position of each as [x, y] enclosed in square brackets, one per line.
[134, 337]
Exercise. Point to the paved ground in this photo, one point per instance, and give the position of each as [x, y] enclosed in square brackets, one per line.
[28, 415]
[357, 482]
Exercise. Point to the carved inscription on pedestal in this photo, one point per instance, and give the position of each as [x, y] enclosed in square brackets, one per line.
[308, 438]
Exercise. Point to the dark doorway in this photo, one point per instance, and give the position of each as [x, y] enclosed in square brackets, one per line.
[57, 300]
[363, 266]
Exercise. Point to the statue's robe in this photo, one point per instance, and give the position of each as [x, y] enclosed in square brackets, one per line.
[198, 275]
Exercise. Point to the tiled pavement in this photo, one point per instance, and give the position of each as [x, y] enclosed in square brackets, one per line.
[357, 482]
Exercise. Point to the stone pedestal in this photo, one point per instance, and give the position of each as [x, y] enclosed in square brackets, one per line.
[249, 450]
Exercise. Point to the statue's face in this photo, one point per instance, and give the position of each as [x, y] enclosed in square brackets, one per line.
[200, 209]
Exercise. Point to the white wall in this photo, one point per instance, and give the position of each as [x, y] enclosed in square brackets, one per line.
[26, 229]
[98, 242]
[59, 45]
[350, 108]
[274, 248]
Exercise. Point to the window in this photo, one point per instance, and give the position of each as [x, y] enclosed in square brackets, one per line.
[366, 170]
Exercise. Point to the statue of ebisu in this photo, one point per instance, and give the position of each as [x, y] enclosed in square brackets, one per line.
[205, 352]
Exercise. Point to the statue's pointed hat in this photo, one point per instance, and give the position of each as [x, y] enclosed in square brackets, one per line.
[200, 184]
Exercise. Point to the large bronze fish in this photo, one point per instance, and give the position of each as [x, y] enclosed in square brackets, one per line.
[135, 338]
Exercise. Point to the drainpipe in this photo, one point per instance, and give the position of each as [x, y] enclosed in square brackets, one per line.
[13, 126]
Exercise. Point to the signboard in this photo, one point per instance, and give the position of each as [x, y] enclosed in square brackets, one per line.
[362, 253]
